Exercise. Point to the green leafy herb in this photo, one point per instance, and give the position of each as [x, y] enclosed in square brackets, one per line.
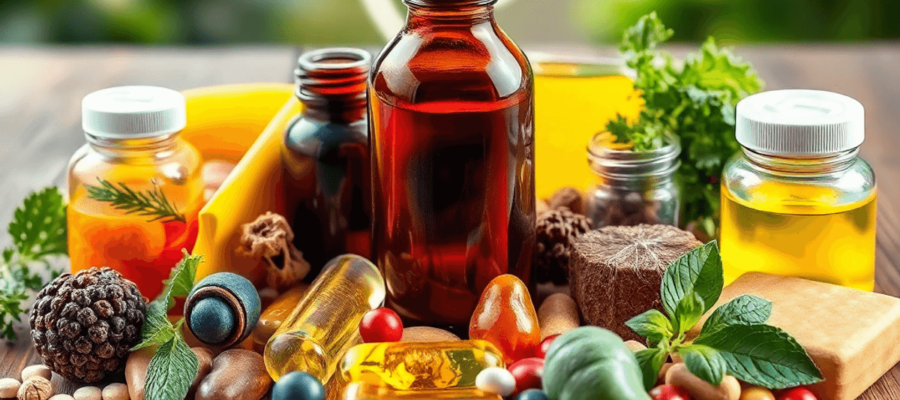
[173, 366]
[38, 232]
[734, 338]
[152, 203]
[693, 101]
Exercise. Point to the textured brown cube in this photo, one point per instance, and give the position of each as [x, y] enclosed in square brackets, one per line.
[850, 334]
[615, 272]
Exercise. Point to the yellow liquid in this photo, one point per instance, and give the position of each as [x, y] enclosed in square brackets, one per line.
[808, 239]
[405, 366]
[365, 391]
[569, 110]
[325, 323]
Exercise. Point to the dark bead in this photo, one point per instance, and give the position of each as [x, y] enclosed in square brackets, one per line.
[212, 321]
[298, 386]
[532, 394]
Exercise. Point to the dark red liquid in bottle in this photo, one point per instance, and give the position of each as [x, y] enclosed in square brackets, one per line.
[451, 139]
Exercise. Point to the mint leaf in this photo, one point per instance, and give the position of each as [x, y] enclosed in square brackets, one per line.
[699, 271]
[653, 325]
[743, 310]
[762, 355]
[38, 227]
[157, 328]
[181, 279]
[704, 362]
[171, 371]
[651, 361]
[689, 311]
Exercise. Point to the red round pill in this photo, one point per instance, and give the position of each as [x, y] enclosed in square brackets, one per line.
[528, 373]
[381, 325]
[669, 392]
[798, 393]
[545, 346]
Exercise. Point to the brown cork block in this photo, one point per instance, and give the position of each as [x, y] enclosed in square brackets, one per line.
[850, 334]
[615, 272]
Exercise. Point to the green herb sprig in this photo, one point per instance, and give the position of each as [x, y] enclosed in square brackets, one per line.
[693, 101]
[734, 339]
[38, 232]
[174, 366]
[152, 203]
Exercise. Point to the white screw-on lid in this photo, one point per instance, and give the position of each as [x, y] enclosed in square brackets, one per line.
[800, 122]
[133, 112]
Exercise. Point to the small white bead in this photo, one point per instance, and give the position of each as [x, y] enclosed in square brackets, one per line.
[9, 387]
[36, 370]
[496, 380]
[88, 393]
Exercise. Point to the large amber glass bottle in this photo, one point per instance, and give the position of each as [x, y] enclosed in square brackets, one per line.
[451, 141]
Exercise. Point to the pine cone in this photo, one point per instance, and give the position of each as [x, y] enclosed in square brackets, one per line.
[84, 325]
[556, 232]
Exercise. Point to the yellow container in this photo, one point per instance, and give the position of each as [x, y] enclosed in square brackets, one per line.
[243, 124]
[574, 100]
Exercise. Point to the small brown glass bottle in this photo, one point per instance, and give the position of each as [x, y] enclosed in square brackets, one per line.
[452, 126]
[326, 157]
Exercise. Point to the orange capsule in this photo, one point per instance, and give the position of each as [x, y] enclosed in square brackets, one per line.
[505, 317]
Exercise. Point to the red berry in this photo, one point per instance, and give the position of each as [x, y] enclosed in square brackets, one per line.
[381, 325]
[528, 373]
[798, 393]
[545, 346]
[669, 392]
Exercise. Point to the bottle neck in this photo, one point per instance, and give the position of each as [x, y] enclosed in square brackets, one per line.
[802, 165]
[331, 84]
[448, 12]
[133, 148]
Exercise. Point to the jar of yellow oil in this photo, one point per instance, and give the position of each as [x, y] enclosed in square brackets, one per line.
[798, 200]
[575, 97]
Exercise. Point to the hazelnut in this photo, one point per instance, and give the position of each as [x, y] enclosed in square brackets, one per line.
[36, 388]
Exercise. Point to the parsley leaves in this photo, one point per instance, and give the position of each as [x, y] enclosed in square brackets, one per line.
[694, 101]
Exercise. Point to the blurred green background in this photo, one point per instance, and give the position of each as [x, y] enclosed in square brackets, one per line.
[346, 21]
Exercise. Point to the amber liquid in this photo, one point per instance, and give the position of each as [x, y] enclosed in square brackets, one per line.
[834, 244]
[453, 190]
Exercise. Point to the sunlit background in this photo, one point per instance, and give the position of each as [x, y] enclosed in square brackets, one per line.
[325, 22]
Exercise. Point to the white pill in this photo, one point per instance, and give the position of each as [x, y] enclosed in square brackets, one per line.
[496, 380]
[88, 393]
[9, 387]
[36, 370]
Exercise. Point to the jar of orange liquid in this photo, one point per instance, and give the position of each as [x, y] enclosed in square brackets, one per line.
[798, 200]
[134, 188]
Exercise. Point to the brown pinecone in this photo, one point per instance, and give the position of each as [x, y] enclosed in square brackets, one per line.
[83, 325]
[556, 232]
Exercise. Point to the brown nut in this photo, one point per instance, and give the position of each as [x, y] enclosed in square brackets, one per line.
[36, 370]
[729, 389]
[115, 391]
[757, 393]
[427, 334]
[635, 346]
[558, 314]
[205, 356]
[9, 387]
[36, 388]
[236, 374]
[88, 393]
[661, 378]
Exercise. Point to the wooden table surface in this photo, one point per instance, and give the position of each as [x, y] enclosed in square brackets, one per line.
[41, 91]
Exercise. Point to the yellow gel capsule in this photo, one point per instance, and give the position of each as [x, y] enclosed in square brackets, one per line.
[325, 323]
[367, 391]
[405, 366]
[274, 315]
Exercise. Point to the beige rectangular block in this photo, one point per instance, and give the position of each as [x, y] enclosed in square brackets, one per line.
[853, 336]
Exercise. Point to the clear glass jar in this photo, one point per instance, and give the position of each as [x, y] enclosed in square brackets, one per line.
[635, 187]
[325, 157]
[798, 200]
[134, 189]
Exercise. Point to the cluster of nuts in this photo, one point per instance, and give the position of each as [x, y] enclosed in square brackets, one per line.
[35, 385]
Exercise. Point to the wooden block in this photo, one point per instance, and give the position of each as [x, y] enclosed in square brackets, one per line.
[850, 334]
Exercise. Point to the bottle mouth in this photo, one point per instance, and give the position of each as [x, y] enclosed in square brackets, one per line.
[449, 3]
[618, 162]
[332, 73]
